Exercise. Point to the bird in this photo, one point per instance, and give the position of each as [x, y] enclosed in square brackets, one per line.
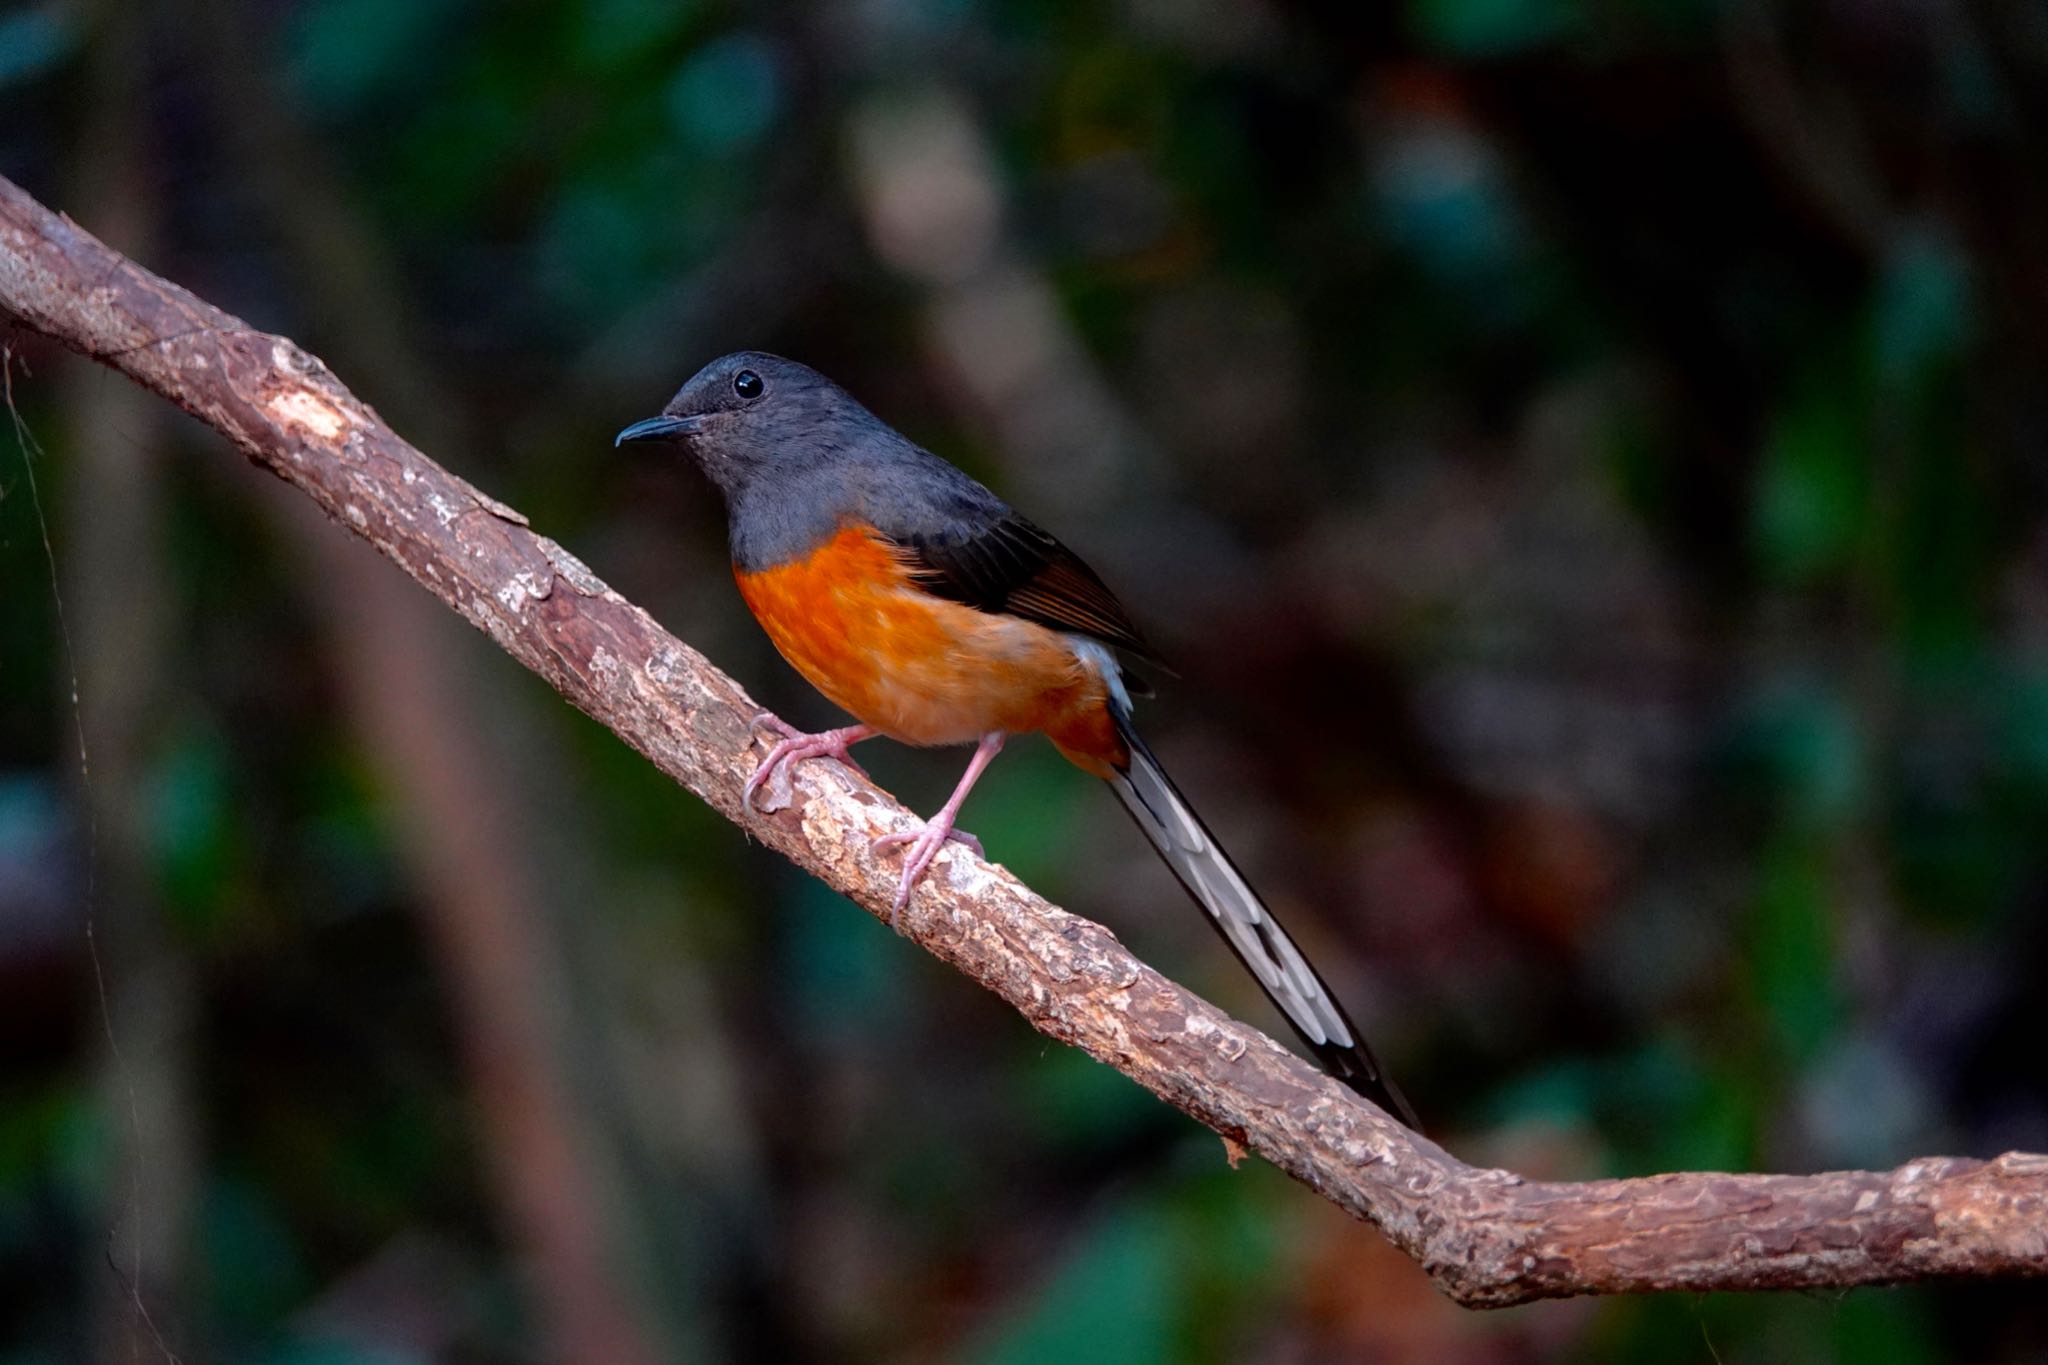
[934, 613]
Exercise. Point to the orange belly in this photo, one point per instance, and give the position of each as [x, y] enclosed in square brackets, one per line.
[922, 669]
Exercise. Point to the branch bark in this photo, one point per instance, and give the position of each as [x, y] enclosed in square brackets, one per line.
[1488, 1237]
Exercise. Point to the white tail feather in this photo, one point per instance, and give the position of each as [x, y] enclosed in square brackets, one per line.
[1234, 908]
[1178, 834]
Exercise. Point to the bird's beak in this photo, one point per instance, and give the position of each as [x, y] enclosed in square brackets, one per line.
[660, 429]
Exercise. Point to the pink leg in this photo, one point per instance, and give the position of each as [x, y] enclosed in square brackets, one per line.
[795, 747]
[926, 843]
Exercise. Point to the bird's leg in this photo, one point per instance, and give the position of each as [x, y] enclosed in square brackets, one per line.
[926, 843]
[794, 746]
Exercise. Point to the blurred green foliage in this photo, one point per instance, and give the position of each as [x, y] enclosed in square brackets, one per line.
[1582, 461]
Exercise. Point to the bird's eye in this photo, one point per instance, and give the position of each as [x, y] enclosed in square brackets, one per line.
[747, 384]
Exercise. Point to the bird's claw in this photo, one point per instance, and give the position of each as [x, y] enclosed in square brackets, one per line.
[925, 843]
[793, 746]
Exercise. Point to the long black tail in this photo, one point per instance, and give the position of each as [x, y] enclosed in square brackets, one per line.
[1248, 926]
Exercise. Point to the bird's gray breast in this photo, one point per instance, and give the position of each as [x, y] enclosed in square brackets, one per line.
[782, 520]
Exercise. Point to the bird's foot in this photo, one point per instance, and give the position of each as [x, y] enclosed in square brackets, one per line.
[924, 845]
[793, 746]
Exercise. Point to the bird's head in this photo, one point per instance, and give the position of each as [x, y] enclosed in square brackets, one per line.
[750, 412]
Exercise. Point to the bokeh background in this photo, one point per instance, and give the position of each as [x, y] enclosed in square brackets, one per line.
[1584, 460]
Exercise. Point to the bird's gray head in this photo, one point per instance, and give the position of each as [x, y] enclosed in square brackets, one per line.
[797, 458]
[751, 414]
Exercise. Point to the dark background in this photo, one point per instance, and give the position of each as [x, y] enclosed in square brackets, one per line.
[1584, 460]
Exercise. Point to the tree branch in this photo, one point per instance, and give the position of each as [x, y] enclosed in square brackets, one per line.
[1488, 1237]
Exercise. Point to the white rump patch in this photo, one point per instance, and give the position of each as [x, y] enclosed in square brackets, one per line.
[1102, 659]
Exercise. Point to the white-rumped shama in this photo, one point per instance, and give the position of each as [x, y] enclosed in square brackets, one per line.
[926, 606]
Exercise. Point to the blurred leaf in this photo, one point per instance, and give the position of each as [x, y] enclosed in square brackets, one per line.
[593, 249]
[1707, 1329]
[841, 964]
[1637, 456]
[252, 1253]
[641, 216]
[346, 838]
[1236, 1247]
[1941, 562]
[344, 54]
[2022, 744]
[615, 33]
[32, 824]
[194, 831]
[1441, 193]
[1490, 28]
[1965, 816]
[1110, 97]
[1959, 868]
[1886, 1327]
[1814, 490]
[80, 1152]
[726, 96]
[1716, 1131]
[33, 1122]
[1809, 750]
[444, 168]
[1074, 1100]
[32, 41]
[1923, 306]
[1109, 1302]
[1564, 1090]
[1792, 943]
[1664, 1106]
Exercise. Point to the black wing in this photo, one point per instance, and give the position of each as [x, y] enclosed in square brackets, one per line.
[1009, 565]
